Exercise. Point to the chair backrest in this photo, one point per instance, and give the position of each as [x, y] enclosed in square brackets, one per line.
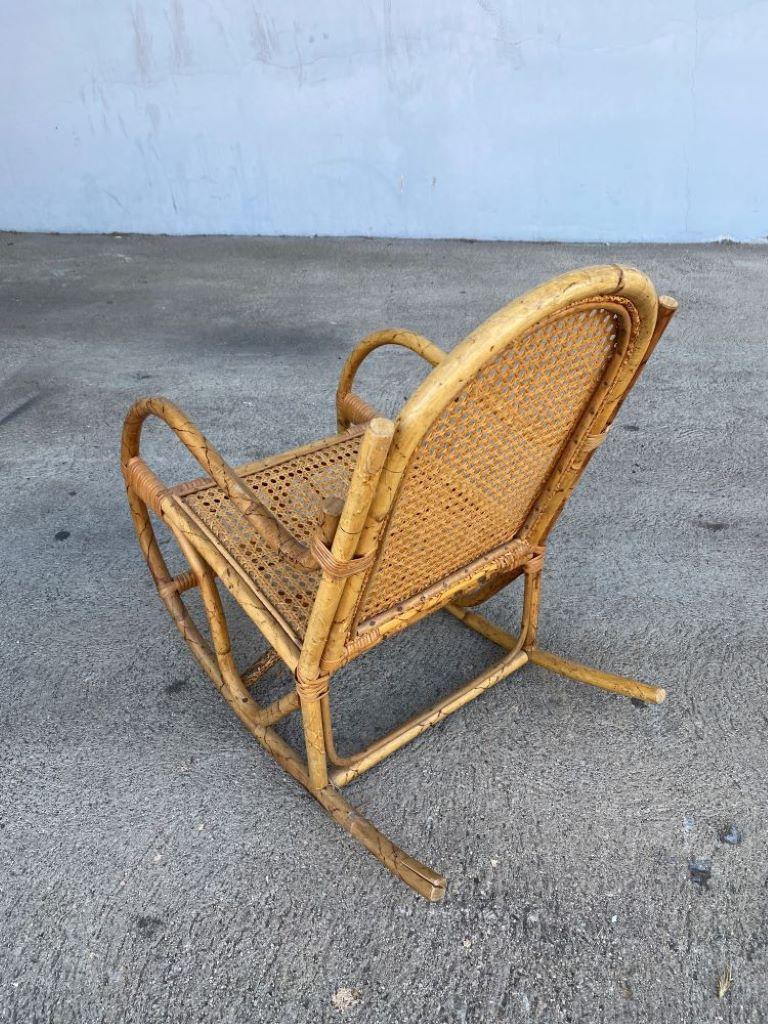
[506, 421]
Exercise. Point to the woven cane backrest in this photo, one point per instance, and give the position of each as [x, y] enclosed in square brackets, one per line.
[474, 477]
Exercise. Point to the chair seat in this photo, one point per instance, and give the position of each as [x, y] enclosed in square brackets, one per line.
[293, 486]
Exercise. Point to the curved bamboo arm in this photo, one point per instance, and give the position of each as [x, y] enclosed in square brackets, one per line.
[270, 529]
[350, 408]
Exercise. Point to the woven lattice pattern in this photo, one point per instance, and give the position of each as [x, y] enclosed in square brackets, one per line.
[293, 490]
[481, 465]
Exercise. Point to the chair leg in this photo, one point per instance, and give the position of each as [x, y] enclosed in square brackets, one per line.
[632, 688]
[594, 677]
[311, 693]
[220, 667]
[532, 600]
[417, 876]
[314, 776]
[414, 727]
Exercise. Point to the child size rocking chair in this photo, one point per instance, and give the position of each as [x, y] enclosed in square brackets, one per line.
[333, 547]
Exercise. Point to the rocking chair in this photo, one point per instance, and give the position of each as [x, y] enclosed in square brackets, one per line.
[333, 547]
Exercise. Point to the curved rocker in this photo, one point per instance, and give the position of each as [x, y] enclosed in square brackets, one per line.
[333, 547]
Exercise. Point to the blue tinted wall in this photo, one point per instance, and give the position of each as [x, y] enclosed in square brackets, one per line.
[489, 119]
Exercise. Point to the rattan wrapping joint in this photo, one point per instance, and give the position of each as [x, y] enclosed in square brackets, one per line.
[355, 409]
[311, 689]
[593, 441]
[536, 563]
[179, 584]
[140, 478]
[334, 568]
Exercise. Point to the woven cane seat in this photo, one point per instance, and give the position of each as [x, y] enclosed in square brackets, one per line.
[293, 487]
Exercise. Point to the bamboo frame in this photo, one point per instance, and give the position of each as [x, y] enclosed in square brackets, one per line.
[352, 532]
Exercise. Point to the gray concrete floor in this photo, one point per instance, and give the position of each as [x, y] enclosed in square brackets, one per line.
[156, 866]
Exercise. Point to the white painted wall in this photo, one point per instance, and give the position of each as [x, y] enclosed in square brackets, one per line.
[568, 119]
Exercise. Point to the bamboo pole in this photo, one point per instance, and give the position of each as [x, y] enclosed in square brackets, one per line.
[594, 677]
[334, 757]
[271, 462]
[418, 876]
[667, 309]
[373, 451]
[532, 602]
[266, 525]
[571, 669]
[260, 667]
[343, 526]
[415, 726]
[490, 630]
[482, 593]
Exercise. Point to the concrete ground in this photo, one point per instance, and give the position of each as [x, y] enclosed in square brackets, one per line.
[156, 866]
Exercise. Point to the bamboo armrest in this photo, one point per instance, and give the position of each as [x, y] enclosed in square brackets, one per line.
[151, 489]
[350, 408]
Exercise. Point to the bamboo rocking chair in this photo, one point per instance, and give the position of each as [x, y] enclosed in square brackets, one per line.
[335, 546]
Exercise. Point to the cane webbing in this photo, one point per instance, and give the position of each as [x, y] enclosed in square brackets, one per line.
[293, 489]
[482, 463]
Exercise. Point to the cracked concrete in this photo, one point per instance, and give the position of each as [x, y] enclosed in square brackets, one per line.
[155, 865]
